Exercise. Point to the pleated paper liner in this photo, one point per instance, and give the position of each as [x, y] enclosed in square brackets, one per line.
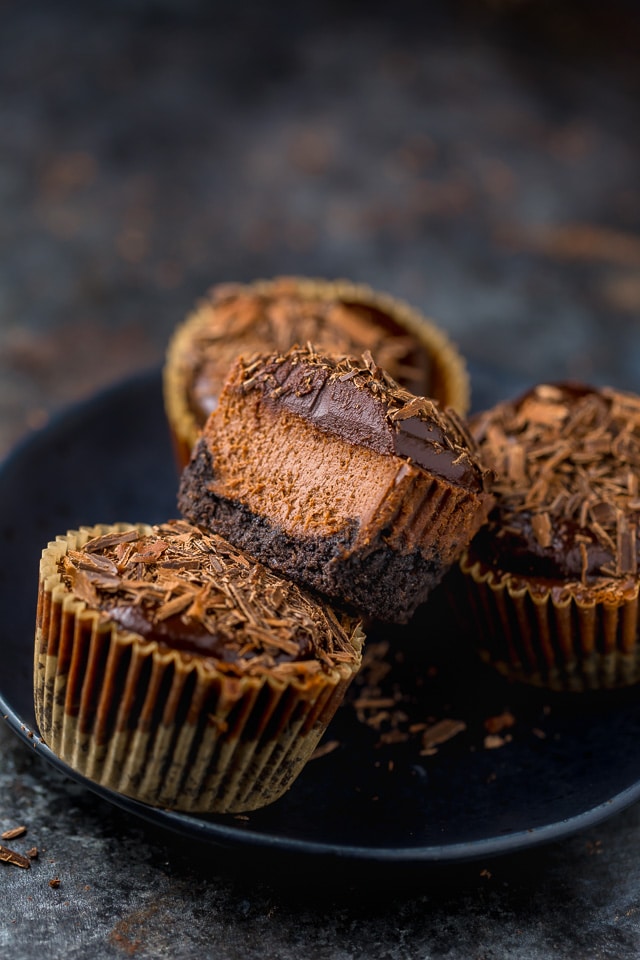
[448, 376]
[559, 637]
[164, 727]
[435, 518]
[439, 515]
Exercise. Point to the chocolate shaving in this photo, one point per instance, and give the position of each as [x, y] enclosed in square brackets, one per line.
[499, 722]
[541, 524]
[417, 407]
[178, 583]
[324, 749]
[626, 553]
[241, 320]
[173, 606]
[494, 741]
[150, 553]
[13, 833]
[16, 859]
[439, 733]
[109, 540]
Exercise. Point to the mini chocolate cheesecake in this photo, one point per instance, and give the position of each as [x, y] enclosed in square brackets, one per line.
[274, 315]
[171, 668]
[566, 458]
[552, 579]
[328, 471]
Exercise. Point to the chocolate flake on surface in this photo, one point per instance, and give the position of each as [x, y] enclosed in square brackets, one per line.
[493, 741]
[14, 858]
[499, 722]
[324, 749]
[440, 732]
[13, 833]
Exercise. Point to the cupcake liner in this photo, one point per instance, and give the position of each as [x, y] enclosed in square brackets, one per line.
[449, 379]
[559, 637]
[161, 726]
[436, 514]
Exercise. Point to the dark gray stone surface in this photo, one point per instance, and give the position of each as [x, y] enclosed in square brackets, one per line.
[480, 160]
[127, 890]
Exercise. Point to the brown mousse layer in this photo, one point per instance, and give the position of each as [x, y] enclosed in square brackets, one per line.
[567, 463]
[329, 471]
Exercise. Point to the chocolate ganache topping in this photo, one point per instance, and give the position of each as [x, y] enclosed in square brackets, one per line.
[236, 319]
[566, 458]
[357, 400]
[196, 593]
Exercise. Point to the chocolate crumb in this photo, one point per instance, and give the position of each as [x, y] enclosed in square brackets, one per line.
[493, 741]
[439, 733]
[324, 749]
[500, 722]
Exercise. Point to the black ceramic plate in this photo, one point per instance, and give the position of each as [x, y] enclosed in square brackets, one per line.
[375, 794]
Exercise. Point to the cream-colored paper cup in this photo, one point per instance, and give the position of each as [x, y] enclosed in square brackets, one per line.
[562, 637]
[165, 727]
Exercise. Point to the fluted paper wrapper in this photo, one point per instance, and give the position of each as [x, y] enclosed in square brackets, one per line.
[160, 726]
[562, 638]
[449, 379]
[440, 516]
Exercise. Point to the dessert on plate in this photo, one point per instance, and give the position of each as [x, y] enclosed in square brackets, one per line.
[269, 315]
[171, 668]
[328, 471]
[552, 579]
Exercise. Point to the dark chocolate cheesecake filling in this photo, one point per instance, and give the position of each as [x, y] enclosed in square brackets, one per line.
[567, 461]
[358, 401]
[196, 593]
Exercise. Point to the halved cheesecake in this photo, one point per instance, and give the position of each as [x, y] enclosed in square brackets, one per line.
[328, 471]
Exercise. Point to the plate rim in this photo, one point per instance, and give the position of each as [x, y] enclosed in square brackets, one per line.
[226, 834]
[444, 854]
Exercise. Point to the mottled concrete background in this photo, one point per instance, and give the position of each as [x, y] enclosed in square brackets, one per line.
[478, 159]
